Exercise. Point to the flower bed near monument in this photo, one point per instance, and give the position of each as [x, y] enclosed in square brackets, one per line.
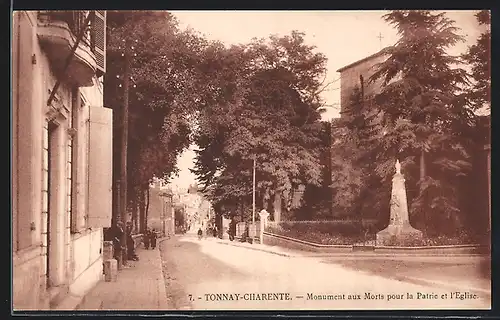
[326, 232]
[441, 240]
[355, 232]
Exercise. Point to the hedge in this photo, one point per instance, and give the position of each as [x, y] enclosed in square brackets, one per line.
[349, 232]
[328, 231]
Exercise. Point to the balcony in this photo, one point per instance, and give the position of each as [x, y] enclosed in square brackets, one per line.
[58, 32]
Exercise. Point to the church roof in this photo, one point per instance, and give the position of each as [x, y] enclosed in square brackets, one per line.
[381, 52]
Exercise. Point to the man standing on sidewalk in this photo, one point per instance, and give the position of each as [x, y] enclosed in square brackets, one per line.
[116, 233]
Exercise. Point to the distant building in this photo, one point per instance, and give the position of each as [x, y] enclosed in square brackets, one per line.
[161, 216]
[197, 208]
[61, 156]
[352, 75]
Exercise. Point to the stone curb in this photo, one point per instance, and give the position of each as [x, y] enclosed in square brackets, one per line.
[162, 290]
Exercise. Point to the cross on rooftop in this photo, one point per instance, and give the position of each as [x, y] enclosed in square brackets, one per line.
[380, 39]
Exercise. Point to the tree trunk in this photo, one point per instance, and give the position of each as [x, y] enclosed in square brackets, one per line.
[147, 204]
[134, 212]
[277, 207]
[142, 214]
[265, 199]
[422, 164]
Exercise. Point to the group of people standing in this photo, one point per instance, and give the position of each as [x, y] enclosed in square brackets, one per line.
[149, 239]
[116, 234]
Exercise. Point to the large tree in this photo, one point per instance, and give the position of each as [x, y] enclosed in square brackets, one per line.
[478, 56]
[163, 91]
[425, 113]
[268, 113]
[421, 116]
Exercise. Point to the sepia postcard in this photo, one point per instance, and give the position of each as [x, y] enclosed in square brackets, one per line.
[251, 160]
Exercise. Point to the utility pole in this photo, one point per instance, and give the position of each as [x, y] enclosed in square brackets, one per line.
[124, 143]
[253, 193]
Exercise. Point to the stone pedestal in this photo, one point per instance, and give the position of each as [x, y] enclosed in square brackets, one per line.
[110, 270]
[399, 227]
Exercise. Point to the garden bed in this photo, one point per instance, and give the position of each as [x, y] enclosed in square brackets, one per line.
[343, 232]
[359, 232]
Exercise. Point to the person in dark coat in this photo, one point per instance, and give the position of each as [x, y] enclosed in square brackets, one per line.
[153, 237]
[117, 233]
[131, 255]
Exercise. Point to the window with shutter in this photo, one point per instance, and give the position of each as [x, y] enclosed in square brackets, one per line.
[100, 156]
[99, 40]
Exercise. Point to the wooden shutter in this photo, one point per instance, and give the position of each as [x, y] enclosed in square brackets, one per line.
[99, 40]
[100, 167]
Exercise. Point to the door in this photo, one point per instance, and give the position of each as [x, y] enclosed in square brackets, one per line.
[50, 206]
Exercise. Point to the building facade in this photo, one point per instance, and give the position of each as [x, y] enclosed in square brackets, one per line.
[357, 74]
[61, 155]
[161, 215]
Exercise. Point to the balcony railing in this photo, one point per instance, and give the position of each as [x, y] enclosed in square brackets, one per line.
[58, 33]
[75, 21]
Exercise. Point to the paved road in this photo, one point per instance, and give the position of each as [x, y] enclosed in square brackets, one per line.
[206, 275]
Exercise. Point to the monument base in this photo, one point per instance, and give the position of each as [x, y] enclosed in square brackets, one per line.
[396, 233]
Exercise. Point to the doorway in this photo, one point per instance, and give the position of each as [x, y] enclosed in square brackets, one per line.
[55, 205]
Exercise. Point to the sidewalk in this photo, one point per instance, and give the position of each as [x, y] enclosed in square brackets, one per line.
[140, 286]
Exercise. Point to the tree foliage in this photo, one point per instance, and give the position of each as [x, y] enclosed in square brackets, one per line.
[266, 108]
[162, 92]
[421, 113]
[478, 57]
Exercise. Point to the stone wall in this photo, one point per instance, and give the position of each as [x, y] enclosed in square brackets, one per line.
[45, 205]
[349, 79]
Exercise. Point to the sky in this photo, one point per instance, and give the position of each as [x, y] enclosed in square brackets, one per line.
[342, 36]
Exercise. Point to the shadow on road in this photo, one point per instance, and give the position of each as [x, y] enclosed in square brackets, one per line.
[184, 265]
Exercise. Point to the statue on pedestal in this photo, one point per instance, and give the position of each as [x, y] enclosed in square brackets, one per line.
[399, 224]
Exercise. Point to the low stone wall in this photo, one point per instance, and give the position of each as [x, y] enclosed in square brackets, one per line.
[437, 250]
[296, 244]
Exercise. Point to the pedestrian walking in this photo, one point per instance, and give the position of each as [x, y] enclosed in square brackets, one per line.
[200, 234]
[153, 236]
